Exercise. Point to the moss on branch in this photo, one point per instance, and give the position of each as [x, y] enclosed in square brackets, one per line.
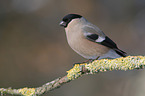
[127, 63]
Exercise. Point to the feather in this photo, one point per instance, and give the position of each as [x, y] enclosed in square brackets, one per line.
[104, 41]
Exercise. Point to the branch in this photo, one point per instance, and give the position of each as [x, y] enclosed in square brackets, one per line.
[127, 63]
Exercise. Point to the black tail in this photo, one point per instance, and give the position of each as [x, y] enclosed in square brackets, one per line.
[120, 52]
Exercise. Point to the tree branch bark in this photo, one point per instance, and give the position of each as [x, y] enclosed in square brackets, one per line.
[127, 63]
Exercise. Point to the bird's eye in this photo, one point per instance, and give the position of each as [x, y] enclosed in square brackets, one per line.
[65, 20]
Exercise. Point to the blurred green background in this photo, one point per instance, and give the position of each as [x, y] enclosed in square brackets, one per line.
[34, 50]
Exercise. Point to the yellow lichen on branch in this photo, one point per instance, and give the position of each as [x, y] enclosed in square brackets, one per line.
[27, 91]
[127, 63]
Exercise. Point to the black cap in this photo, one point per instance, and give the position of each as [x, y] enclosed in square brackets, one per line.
[65, 21]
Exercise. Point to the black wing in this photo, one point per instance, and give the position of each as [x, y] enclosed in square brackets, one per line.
[106, 42]
[92, 37]
[109, 43]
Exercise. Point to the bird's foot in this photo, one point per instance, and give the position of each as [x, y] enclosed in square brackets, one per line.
[87, 61]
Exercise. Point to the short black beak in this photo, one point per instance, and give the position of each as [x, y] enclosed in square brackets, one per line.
[62, 23]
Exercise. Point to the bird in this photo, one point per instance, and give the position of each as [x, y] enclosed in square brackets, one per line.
[88, 40]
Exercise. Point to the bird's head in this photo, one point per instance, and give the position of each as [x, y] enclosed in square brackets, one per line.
[68, 18]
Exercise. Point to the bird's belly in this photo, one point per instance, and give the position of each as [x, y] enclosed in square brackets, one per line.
[88, 49]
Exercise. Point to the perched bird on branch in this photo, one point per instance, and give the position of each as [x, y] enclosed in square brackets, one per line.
[88, 40]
